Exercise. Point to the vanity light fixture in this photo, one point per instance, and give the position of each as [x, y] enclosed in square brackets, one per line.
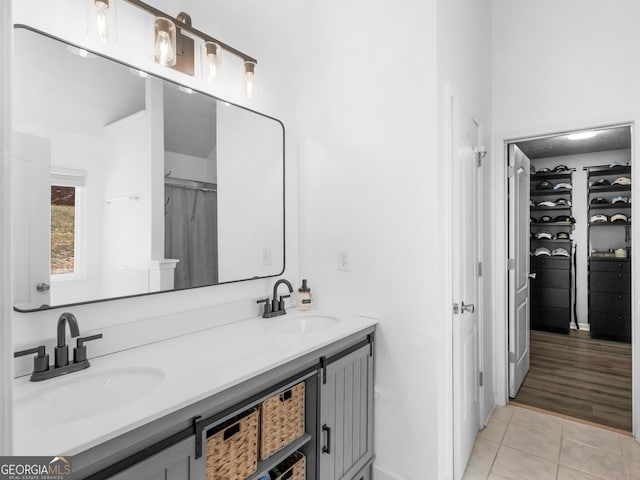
[211, 61]
[249, 78]
[182, 47]
[164, 42]
[101, 20]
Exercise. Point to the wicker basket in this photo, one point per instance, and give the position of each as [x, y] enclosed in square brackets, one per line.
[293, 468]
[281, 420]
[232, 451]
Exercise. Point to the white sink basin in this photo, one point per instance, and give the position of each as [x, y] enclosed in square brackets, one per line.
[85, 395]
[305, 324]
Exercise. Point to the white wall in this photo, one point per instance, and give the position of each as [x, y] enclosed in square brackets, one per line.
[245, 27]
[464, 63]
[367, 149]
[559, 66]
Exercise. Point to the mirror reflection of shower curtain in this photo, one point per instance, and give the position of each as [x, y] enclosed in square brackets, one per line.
[191, 235]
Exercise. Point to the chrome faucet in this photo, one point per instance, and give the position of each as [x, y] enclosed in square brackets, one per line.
[41, 368]
[62, 350]
[275, 306]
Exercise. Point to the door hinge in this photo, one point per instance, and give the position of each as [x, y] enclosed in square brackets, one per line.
[511, 264]
[479, 269]
[481, 379]
[512, 357]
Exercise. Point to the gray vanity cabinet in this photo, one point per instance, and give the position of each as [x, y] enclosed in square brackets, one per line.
[346, 416]
[338, 433]
[174, 463]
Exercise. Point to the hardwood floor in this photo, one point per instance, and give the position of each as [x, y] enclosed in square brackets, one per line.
[581, 377]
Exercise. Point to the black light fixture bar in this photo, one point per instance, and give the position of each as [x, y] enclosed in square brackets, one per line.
[184, 26]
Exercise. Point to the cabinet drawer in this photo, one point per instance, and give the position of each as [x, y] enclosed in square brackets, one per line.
[550, 317]
[616, 303]
[551, 297]
[607, 325]
[551, 278]
[538, 263]
[609, 265]
[612, 282]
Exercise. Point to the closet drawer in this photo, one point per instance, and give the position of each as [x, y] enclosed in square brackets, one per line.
[607, 325]
[612, 282]
[551, 297]
[609, 265]
[540, 263]
[615, 303]
[551, 278]
[550, 318]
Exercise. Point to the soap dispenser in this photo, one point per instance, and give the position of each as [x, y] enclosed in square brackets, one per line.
[304, 296]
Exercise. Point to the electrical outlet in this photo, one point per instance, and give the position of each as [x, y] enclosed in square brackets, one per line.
[343, 260]
[266, 256]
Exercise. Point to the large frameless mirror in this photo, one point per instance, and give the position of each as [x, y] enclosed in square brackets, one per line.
[127, 184]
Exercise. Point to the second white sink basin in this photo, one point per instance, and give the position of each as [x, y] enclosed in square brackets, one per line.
[85, 395]
[305, 323]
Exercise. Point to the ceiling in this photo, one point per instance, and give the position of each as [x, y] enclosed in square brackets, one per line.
[615, 138]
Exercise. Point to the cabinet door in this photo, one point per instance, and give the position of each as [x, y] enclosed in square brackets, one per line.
[174, 463]
[346, 416]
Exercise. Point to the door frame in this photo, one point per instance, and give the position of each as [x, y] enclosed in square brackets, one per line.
[6, 293]
[445, 349]
[501, 237]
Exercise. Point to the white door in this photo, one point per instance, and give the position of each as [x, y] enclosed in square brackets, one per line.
[31, 199]
[518, 263]
[466, 386]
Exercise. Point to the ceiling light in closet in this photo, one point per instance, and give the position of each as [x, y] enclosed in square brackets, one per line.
[582, 135]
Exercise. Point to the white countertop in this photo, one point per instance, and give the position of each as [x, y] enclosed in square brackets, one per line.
[194, 366]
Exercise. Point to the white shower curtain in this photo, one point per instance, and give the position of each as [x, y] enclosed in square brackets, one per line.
[191, 235]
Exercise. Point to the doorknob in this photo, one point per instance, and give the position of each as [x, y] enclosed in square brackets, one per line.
[532, 275]
[470, 308]
[42, 287]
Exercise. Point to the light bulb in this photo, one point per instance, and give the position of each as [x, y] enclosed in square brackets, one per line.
[250, 79]
[210, 61]
[164, 48]
[101, 20]
[102, 28]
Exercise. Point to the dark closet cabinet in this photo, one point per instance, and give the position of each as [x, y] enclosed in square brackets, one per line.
[609, 236]
[551, 294]
[551, 235]
[610, 298]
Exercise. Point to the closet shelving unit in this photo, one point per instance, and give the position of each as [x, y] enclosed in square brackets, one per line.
[609, 275]
[551, 287]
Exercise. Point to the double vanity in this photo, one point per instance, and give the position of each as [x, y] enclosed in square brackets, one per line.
[149, 411]
[131, 151]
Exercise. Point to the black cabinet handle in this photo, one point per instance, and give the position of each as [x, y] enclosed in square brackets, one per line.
[327, 446]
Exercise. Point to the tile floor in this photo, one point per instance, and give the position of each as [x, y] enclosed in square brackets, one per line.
[522, 444]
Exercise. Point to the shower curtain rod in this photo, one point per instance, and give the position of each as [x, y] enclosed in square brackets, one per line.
[194, 184]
